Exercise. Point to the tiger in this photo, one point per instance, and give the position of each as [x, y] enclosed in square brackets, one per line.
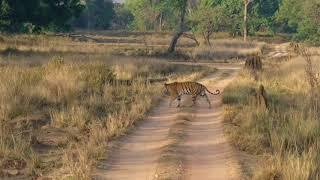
[177, 89]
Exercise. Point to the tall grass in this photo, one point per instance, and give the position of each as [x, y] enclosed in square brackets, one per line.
[286, 137]
[81, 110]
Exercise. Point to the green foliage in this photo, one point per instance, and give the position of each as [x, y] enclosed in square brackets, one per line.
[287, 16]
[221, 15]
[142, 13]
[18, 15]
[152, 15]
[302, 18]
[208, 18]
[98, 14]
[262, 15]
[267, 8]
[123, 17]
[234, 12]
[4, 12]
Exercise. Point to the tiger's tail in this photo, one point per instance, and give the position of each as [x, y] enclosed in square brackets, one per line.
[215, 93]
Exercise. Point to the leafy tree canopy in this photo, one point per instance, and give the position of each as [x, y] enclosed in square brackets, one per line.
[36, 15]
[98, 14]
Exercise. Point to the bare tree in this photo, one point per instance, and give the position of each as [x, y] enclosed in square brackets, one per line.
[182, 6]
[245, 19]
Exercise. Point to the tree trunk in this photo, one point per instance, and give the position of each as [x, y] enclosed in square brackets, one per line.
[180, 30]
[174, 41]
[160, 22]
[245, 19]
[206, 36]
[88, 19]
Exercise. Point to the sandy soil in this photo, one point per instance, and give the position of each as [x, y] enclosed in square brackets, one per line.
[137, 155]
[207, 152]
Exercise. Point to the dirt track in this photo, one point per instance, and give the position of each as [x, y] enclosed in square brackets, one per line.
[207, 154]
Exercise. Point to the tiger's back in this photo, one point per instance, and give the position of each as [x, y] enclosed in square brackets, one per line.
[188, 88]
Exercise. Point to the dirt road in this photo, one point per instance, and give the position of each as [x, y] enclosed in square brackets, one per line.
[207, 154]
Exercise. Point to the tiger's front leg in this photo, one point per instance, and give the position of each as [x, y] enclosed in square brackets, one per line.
[194, 98]
[171, 100]
[174, 98]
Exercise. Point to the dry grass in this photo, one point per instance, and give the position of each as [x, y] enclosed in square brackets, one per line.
[125, 44]
[58, 111]
[286, 137]
[77, 99]
[227, 49]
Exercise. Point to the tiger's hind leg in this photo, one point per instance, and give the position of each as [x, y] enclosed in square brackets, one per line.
[207, 98]
[179, 101]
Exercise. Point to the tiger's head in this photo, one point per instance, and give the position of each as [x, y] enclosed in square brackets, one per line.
[168, 87]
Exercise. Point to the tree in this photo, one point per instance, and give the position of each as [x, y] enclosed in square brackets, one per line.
[262, 16]
[14, 13]
[123, 17]
[208, 18]
[143, 12]
[290, 14]
[4, 13]
[245, 19]
[98, 14]
[41, 14]
[301, 18]
[181, 6]
[56, 14]
[233, 12]
[229, 14]
[152, 14]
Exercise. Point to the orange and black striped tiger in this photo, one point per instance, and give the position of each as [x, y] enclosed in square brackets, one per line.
[177, 89]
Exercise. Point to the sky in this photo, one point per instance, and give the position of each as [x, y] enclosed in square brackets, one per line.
[118, 1]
